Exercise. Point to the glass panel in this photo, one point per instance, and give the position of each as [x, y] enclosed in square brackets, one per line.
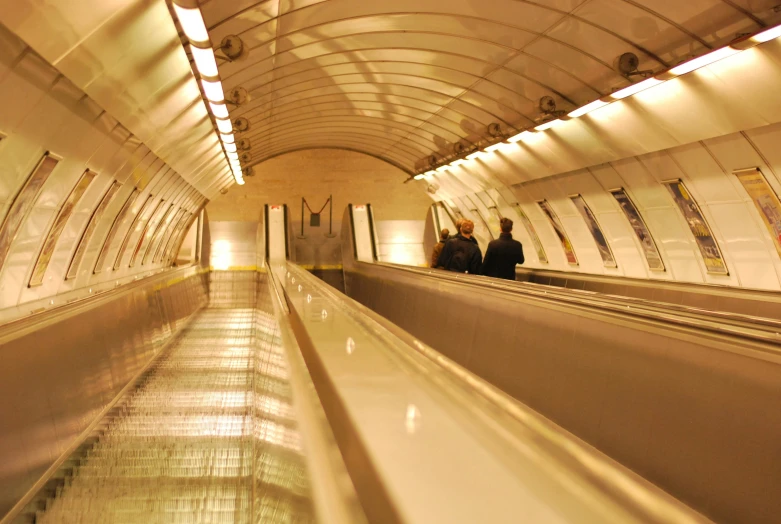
[652, 256]
[533, 234]
[558, 228]
[169, 232]
[591, 221]
[58, 226]
[123, 213]
[23, 203]
[139, 216]
[765, 200]
[145, 232]
[94, 220]
[709, 248]
[158, 233]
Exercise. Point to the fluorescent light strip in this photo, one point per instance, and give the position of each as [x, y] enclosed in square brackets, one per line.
[419, 176]
[227, 138]
[520, 136]
[476, 154]
[213, 90]
[224, 125]
[495, 147]
[219, 110]
[458, 162]
[192, 23]
[596, 104]
[430, 173]
[635, 88]
[442, 168]
[767, 35]
[204, 61]
[230, 148]
[548, 125]
[233, 156]
[702, 61]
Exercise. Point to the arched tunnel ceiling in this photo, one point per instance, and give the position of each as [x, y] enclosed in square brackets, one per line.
[404, 79]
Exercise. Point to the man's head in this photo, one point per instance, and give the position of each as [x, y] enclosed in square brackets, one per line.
[506, 224]
[458, 224]
[467, 226]
[444, 234]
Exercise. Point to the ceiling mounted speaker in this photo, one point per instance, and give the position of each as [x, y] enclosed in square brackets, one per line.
[547, 104]
[238, 95]
[248, 171]
[432, 160]
[244, 144]
[626, 63]
[233, 47]
[241, 124]
[494, 129]
[245, 157]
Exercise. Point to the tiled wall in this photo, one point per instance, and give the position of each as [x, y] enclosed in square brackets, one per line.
[706, 168]
[42, 112]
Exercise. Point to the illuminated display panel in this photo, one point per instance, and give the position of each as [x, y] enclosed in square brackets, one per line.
[45, 256]
[145, 232]
[94, 220]
[608, 260]
[139, 216]
[23, 204]
[123, 213]
[558, 228]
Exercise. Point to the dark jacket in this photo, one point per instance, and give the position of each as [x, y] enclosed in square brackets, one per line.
[437, 251]
[462, 255]
[501, 257]
[472, 238]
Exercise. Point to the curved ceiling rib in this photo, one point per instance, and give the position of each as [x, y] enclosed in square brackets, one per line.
[404, 79]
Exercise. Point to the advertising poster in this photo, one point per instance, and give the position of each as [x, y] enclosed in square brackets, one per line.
[23, 204]
[591, 221]
[81, 248]
[559, 229]
[765, 200]
[711, 255]
[45, 256]
[533, 235]
[652, 256]
[123, 213]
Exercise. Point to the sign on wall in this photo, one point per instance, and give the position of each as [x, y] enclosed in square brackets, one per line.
[647, 244]
[569, 252]
[765, 200]
[532, 234]
[591, 221]
[709, 248]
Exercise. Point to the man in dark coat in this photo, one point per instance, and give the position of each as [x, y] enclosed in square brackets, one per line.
[503, 254]
[458, 230]
[461, 254]
[444, 235]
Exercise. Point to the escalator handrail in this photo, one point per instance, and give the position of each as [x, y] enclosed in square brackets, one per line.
[700, 322]
[562, 446]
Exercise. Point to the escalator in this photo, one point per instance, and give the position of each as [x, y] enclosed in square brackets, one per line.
[681, 395]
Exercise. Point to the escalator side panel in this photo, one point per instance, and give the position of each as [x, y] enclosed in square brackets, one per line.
[681, 411]
[58, 373]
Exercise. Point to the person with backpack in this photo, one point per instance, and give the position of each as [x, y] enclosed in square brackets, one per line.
[461, 254]
[444, 235]
[458, 230]
[503, 253]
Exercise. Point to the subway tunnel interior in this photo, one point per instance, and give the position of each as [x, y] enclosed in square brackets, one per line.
[216, 295]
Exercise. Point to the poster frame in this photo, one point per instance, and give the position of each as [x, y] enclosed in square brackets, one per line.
[775, 232]
[591, 221]
[559, 231]
[639, 216]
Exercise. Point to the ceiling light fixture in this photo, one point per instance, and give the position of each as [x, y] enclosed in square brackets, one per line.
[192, 23]
[213, 90]
[443, 168]
[219, 110]
[702, 61]
[735, 47]
[635, 88]
[227, 138]
[596, 104]
[548, 125]
[204, 61]
[224, 125]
